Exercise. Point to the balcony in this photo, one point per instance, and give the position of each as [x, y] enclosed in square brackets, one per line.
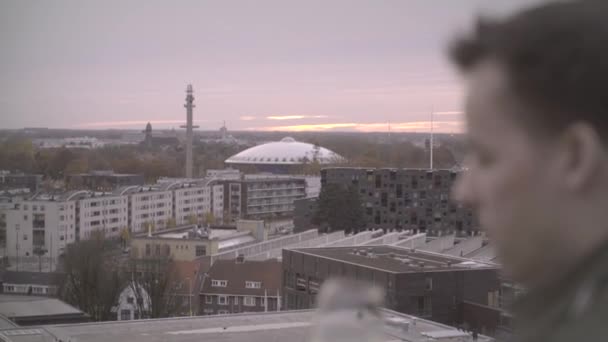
[277, 188]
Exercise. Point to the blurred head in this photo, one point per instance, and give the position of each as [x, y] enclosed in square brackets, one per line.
[537, 123]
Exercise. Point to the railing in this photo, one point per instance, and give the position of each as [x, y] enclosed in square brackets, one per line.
[266, 245]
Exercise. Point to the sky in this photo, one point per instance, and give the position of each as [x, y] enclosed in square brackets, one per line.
[322, 65]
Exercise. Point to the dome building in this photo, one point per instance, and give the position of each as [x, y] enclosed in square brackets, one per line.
[283, 156]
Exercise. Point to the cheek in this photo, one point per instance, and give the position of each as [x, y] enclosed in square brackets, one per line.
[504, 193]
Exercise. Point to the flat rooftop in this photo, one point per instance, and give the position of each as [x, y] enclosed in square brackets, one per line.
[291, 326]
[16, 306]
[395, 259]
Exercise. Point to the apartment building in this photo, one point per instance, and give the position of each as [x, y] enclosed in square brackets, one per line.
[418, 283]
[149, 207]
[405, 198]
[43, 223]
[98, 212]
[258, 197]
[237, 286]
[190, 203]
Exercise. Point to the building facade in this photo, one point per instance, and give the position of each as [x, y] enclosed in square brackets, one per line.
[237, 286]
[106, 214]
[20, 180]
[149, 208]
[262, 197]
[190, 203]
[102, 180]
[405, 198]
[423, 284]
[303, 214]
[43, 225]
[32, 283]
[175, 248]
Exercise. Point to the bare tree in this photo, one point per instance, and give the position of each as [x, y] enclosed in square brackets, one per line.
[93, 282]
[151, 283]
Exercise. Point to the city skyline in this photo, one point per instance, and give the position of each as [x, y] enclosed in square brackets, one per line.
[346, 66]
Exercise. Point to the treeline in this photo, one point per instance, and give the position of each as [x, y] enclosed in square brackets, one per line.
[17, 153]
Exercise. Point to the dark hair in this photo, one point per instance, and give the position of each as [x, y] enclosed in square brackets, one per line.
[556, 60]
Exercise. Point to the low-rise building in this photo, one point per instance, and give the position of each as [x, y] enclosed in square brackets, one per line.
[32, 283]
[187, 243]
[419, 283]
[102, 180]
[20, 180]
[35, 311]
[236, 286]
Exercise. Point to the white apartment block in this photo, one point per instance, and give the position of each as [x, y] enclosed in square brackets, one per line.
[149, 206]
[217, 202]
[189, 201]
[42, 222]
[100, 213]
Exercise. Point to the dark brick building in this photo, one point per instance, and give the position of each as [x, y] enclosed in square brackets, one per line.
[234, 286]
[20, 180]
[303, 213]
[418, 283]
[102, 180]
[405, 198]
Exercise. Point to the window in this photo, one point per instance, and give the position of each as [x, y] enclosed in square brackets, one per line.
[201, 250]
[429, 284]
[219, 283]
[125, 315]
[253, 284]
[249, 301]
[208, 299]
[222, 312]
[130, 300]
[222, 300]
[424, 306]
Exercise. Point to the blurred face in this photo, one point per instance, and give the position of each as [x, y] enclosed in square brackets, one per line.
[510, 181]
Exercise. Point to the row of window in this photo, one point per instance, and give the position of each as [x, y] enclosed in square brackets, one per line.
[248, 284]
[224, 300]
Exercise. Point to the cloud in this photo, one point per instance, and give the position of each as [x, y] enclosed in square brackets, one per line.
[247, 118]
[412, 126]
[295, 117]
[106, 124]
[455, 112]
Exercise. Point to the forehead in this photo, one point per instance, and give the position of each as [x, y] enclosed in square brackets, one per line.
[491, 107]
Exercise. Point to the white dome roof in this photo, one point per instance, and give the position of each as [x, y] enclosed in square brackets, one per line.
[288, 151]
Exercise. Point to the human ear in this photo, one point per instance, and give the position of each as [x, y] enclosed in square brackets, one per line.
[580, 155]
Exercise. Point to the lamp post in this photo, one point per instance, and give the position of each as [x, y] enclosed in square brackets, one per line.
[189, 295]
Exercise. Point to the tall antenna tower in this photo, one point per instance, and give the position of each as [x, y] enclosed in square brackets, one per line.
[432, 138]
[189, 128]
